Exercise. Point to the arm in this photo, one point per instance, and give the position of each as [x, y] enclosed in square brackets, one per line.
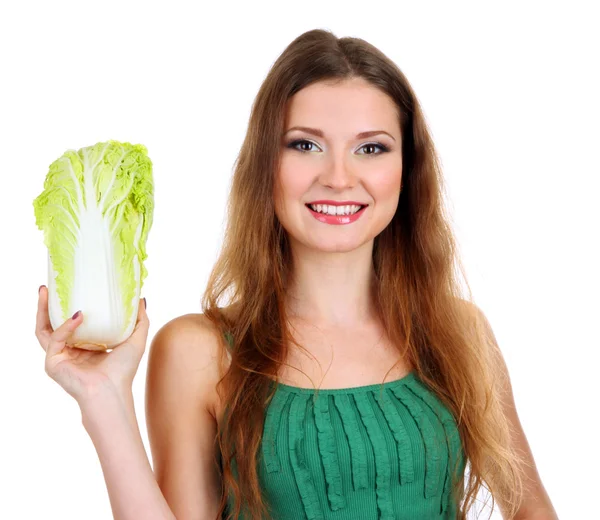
[181, 416]
[109, 419]
[101, 385]
[536, 502]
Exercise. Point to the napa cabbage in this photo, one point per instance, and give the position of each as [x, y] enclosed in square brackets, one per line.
[96, 211]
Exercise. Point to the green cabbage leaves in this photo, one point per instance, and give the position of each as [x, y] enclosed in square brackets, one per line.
[96, 211]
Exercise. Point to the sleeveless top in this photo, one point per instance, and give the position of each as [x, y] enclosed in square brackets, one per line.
[374, 452]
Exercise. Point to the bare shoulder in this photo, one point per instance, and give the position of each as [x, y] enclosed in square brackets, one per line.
[192, 331]
[468, 308]
[187, 349]
[181, 381]
[474, 316]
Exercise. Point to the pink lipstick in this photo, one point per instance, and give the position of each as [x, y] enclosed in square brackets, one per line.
[337, 219]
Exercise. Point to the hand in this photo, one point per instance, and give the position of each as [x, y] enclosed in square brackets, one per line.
[83, 373]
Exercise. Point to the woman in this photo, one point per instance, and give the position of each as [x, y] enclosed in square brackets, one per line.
[339, 265]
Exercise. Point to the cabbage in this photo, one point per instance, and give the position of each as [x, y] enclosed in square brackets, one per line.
[96, 211]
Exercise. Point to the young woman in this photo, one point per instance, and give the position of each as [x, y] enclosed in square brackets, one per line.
[347, 377]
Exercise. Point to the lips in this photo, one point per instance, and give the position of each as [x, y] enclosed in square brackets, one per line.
[337, 219]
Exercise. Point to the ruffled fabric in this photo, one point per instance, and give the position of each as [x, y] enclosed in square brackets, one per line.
[382, 460]
[304, 481]
[430, 440]
[455, 461]
[356, 444]
[338, 448]
[403, 441]
[385, 452]
[271, 428]
[328, 452]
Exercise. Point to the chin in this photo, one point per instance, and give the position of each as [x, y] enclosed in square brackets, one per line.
[337, 246]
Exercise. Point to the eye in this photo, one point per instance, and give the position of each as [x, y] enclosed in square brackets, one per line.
[382, 147]
[297, 142]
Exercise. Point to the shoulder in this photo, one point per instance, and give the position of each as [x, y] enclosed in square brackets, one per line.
[181, 384]
[188, 339]
[469, 309]
[186, 356]
[191, 332]
[474, 316]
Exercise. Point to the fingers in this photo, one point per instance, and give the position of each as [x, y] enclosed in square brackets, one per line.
[54, 341]
[59, 337]
[43, 328]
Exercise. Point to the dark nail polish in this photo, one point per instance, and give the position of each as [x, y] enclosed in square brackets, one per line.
[145, 304]
[76, 315]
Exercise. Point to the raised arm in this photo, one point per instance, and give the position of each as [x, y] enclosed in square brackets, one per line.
[109, 419]
[180, 415]
[100, 382]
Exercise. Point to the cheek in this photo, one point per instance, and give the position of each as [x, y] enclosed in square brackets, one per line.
[288, 192]
[385, 185]
[292, 184]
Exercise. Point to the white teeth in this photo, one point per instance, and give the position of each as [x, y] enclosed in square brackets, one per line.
[335, 210]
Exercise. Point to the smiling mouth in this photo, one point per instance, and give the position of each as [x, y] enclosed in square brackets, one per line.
[336, 210]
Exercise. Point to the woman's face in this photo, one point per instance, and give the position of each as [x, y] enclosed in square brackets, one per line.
[338, 167]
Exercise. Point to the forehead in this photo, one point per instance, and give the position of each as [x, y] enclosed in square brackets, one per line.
[343, 108]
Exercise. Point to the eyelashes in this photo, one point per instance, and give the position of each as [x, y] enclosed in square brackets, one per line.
[383, 149]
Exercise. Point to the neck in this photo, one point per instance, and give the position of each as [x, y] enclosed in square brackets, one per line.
[330, 288]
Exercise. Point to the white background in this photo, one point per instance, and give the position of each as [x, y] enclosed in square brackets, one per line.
[511, 95]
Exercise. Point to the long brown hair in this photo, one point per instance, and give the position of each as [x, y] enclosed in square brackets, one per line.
[421, 302]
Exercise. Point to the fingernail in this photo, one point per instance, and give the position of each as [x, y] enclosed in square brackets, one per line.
[76, 315]
[145, 304]
[40, 289]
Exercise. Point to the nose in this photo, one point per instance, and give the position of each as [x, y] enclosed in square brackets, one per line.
[338, 175]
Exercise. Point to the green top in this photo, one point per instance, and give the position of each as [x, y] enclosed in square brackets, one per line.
[361, 453]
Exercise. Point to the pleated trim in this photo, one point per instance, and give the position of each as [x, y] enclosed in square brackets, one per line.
[358, 408]
[432, 451]
[453, 441]
[382, 459]
[328, 451]
[272, 422]
[305, 484]
[405, 452]
[358, 452]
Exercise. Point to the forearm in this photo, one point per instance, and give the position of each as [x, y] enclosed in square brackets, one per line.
[109, 418]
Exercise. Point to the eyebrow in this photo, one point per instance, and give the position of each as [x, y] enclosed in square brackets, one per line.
[319, 133]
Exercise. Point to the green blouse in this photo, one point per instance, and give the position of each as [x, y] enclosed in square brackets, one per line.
[362, 453]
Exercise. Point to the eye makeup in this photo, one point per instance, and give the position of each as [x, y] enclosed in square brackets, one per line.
[293, 145]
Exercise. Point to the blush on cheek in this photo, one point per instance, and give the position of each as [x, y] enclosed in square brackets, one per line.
[385, 187]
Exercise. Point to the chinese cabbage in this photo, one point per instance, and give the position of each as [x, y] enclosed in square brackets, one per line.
[96, 211]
